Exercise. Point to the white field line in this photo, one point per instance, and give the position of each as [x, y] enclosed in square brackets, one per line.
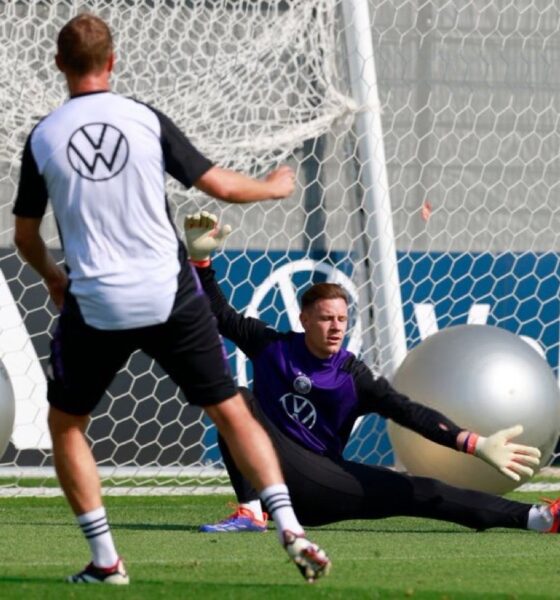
[186, 490]
[200, 471]
[12, 491]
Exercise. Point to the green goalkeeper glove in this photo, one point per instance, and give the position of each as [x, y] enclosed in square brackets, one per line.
[203, 236]
[513, 460]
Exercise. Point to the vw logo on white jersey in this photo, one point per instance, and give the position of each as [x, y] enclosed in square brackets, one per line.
[299, 409]
[97, 151]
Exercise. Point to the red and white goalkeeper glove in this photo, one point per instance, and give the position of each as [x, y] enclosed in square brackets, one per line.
[203, 236]
[513, 460]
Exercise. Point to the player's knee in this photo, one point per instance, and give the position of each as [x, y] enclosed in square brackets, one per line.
[246, 394]
[229, 414]
[68, 405]
[61, 422]
[249, 398]
[60, 419]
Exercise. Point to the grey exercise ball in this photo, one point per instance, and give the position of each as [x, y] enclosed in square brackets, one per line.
[484, 379]
[7, 409]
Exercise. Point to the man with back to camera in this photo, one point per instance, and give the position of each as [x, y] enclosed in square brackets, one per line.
[101, 159]
[336, 388]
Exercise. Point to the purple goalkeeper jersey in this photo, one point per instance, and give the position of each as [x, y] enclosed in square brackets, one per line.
[312, 400]
[316, 401]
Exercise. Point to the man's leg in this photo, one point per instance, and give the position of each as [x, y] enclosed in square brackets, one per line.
[73, 461]
[189, 348]
[349, 490]
[256, 458]
[83, 362]
[248, 515]
[247, 441]
[78, 477]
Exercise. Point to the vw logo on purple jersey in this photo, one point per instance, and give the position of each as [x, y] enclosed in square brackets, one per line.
[299, 409]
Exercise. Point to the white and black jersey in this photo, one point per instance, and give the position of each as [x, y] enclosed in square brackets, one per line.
[101, 159]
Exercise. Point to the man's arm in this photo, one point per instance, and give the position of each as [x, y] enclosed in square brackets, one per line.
[237, 188]
[247, 333]
[29, 208]
[31, 246]
[203, 236]
[377, 395]
[184, 162]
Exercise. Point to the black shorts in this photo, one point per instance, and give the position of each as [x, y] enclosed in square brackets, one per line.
[84, 360]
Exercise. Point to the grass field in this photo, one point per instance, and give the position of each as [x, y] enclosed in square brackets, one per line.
[167, 557]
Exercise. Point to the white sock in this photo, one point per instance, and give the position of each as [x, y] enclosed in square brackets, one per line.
[540, 518]
[255, 507]
[276, 499]
[96, 529]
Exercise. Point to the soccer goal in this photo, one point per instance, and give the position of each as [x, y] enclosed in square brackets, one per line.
[425, 140]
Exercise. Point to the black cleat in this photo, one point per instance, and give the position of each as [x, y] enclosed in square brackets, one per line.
[116, 575]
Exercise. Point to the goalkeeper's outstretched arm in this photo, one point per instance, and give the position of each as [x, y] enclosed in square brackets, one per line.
[377, 395]
[203, 235]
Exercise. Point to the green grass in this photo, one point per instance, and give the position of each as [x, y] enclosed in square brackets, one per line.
[167, 557]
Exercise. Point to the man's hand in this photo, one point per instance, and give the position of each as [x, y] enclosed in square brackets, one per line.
[203, 235]
[238, 188]
[57, 284]
[513, 460]
[32, 247]
[283, 180]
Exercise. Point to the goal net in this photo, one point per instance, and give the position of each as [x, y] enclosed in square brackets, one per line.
[425, 140]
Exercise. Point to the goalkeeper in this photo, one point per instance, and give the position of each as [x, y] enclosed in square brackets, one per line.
[308, 393]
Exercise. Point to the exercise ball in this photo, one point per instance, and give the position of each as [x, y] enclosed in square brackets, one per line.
[484, 379]
[7, 409]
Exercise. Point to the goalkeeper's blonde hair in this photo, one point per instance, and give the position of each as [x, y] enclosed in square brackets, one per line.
[322, 291]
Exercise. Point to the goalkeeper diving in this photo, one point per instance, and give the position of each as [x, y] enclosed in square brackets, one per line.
[308, 392]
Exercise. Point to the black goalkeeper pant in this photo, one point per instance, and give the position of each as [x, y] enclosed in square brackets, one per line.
[324, 490]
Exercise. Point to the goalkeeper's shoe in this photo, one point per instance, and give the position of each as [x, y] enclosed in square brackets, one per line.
[308, 557]
[554, 509]
[115, 575]
[241, 520]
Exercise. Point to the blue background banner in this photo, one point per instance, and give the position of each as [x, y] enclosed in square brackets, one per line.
[520, 292]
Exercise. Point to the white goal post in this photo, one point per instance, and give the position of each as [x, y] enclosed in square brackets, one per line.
[425, 140]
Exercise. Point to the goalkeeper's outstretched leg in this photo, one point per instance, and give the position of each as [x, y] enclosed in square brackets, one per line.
[325, 490]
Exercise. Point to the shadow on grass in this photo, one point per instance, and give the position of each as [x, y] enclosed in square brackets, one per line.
[453, 529]
[114, 525]
[367, 529]
[154, 527]
[22, 579]
[151, 589]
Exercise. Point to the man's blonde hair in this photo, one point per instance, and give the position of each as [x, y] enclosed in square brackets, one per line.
[84, 44]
